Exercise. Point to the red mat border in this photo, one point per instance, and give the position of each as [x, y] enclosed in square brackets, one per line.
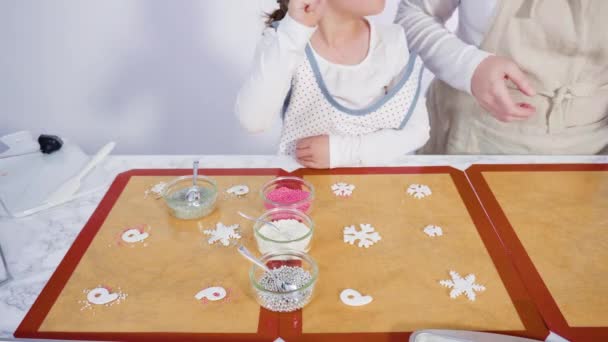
[272, 325]
[532, 279]
[291, 324]
[268, 325]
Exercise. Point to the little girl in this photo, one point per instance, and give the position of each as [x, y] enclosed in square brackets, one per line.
[346, 89]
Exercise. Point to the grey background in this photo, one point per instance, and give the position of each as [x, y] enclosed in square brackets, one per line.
[156, 76]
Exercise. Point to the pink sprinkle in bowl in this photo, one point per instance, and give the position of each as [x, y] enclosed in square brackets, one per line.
[288, 192]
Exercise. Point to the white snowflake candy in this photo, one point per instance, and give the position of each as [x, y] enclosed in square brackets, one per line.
[433, 231]
[238, 190]
[461, 285]
[367, 236]
[157, 190]
[419, 191]
[343, 189]
[223, 234]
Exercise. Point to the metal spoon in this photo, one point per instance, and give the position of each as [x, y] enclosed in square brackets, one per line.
[260, 220]
[284, 286]
[194, 194]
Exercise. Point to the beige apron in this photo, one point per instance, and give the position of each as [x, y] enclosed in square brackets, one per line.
[562, 45]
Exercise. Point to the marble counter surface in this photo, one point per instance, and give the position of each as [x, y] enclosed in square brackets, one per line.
[34, 246]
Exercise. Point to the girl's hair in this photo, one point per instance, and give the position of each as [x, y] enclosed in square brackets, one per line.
[278, 14]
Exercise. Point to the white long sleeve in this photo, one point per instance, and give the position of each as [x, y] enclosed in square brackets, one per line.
[451, 58]
[384, 146]
[278, 55]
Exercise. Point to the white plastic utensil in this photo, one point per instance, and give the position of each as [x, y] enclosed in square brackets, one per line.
[463, 336]
[48, 205]
[69, 188]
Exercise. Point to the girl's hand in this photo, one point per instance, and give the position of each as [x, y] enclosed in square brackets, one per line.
[313, 152]
[307, 12]
[489, 87]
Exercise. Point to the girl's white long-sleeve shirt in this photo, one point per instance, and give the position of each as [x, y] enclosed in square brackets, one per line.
[280, 52]
[453, 58]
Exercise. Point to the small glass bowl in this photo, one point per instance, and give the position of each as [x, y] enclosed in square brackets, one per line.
[288, 301]
[291, 183]
[174, 195]
[269, 240]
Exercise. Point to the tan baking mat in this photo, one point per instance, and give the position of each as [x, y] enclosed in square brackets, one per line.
[401, 271]
[161, 279]
[561, 218]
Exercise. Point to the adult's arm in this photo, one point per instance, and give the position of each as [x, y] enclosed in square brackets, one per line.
[461, 65]
[444, 54]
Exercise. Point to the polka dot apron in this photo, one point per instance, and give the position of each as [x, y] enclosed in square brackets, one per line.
[310, 110]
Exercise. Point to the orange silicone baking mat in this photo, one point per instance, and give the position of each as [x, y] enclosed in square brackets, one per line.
[401, 271]
[553, 219]
[159, 277]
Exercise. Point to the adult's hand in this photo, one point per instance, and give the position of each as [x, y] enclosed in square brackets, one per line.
[307, 12]
[489, 87]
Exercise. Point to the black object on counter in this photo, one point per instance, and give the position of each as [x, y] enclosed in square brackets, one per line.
[49, 143]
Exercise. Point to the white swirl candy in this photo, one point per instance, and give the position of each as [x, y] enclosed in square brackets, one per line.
[352, 297]
[211, 293]
[134, 235]
[101, 296]
[238, 190]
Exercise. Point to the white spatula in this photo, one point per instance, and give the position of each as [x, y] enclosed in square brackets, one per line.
[69, 188]
[463, 336]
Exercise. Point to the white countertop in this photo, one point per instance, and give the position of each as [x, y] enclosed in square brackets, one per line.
[34, 246]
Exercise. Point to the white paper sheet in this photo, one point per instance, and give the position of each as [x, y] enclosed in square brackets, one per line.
[27, 181]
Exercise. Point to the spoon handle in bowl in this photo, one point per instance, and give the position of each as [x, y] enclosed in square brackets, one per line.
[251, 218]
[195, 172]
[247, 254]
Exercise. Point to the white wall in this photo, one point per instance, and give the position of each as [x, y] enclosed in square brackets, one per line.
[157, 76]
